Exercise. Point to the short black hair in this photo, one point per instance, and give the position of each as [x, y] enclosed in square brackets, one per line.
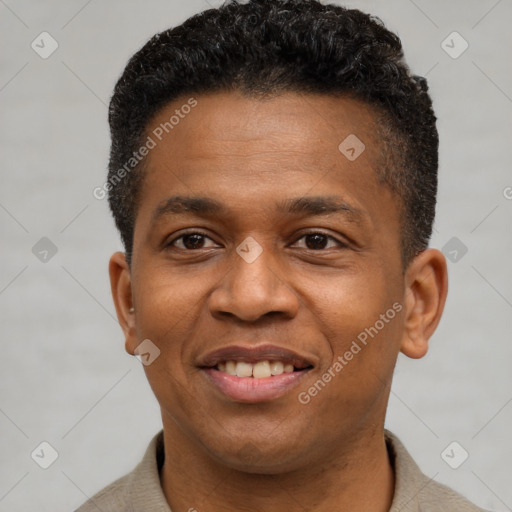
[266, 47]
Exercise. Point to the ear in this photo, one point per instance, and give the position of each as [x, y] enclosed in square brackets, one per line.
[425, 296]
[121, 286]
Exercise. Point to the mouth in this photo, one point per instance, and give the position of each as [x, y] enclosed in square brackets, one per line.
[254, 374]
[258, 370]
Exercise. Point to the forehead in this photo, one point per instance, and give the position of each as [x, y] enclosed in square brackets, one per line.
[288, 122]
[255, 154]
[228, 137]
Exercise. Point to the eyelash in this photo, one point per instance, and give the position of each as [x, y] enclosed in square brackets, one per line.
[341, 244]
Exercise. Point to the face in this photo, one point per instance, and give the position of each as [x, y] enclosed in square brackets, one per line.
[279, 262]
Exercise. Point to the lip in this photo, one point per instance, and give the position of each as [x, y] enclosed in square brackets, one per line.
[249, 389]
[254, 354]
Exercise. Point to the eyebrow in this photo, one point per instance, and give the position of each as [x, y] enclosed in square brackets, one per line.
[300, 206]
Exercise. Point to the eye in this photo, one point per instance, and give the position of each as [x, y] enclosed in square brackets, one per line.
[316, 240]
[194, 240]
[190, 241]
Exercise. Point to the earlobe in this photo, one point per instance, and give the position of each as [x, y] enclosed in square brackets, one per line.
[121, 286]
[425, 297]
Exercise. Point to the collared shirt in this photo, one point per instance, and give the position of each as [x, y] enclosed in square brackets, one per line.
[140, 490]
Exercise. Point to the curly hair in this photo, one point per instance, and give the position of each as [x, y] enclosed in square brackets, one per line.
[265, 47]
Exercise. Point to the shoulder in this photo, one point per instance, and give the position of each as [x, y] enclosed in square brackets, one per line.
[113, 498]
[139, 490]
[414, 491]
[437, 497]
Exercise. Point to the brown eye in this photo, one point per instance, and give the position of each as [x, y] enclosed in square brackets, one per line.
[317, 241]
[190, 241]
[194, 241]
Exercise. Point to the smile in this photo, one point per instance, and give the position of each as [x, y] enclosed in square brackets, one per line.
[254, 374]
[259, 370]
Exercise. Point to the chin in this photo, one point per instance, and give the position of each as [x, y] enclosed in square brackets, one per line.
[253, 458]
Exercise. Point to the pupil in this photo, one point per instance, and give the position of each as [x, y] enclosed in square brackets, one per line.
[318, 243]
[194, 245]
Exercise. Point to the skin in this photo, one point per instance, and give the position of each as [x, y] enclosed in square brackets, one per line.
[250, 154]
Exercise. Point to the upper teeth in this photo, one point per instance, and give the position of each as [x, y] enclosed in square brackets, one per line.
[257, 370]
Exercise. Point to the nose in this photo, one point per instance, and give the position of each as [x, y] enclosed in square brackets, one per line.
[249, 291]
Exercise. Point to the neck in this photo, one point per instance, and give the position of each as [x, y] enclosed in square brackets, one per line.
[359, 476]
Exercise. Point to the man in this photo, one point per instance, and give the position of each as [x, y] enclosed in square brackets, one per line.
[273, 175]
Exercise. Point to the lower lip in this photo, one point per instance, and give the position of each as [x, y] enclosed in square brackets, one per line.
[251, 390]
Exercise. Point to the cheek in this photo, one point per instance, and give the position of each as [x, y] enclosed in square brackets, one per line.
[165, 295]
[167, 305]
[361, 317]
[364, 330]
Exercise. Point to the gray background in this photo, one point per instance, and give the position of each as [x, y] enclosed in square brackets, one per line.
[65, 377]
